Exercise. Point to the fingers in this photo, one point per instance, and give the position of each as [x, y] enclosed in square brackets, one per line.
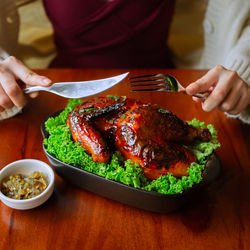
[206, 82]
[20, 71]
[11, 92]
[228, 92]
[231, 100]
[223, 86]
[240, 105]
[5, 101]
[11, 70]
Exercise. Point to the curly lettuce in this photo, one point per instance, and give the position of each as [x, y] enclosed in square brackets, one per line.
[61, 146]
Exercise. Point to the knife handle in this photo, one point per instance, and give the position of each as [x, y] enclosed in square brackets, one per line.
[34, 89]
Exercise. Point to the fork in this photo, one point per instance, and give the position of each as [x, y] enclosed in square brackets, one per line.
[79, 89]
[167, 83]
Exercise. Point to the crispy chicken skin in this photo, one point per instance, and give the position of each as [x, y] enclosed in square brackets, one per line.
[144, 133]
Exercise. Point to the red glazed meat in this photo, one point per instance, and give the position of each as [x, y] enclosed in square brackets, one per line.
[144, 133]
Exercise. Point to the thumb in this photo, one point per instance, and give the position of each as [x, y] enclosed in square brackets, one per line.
[202, 85]
[192, 88]
[205, 83]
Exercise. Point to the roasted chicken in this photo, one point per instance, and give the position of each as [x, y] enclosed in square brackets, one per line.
[148, 135]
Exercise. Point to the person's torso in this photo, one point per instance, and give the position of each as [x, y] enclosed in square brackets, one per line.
[118, 33]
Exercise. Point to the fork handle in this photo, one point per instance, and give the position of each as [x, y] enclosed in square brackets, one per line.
[199, 95]
[202, 95]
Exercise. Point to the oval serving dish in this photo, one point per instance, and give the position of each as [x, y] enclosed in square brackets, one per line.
[139, 198]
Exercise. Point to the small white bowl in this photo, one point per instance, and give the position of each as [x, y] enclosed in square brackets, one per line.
[27, 167]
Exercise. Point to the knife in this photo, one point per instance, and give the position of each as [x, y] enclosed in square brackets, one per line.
[79, 89]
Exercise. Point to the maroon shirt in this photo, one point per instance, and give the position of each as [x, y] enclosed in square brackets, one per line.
[110, 34]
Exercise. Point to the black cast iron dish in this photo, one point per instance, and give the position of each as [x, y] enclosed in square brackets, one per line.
[151, 201]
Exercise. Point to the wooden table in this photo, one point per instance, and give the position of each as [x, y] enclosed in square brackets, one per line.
[73, 218]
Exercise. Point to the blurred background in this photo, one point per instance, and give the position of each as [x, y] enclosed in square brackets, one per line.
[36, 34]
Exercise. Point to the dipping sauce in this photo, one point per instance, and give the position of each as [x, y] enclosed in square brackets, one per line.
[24, 187]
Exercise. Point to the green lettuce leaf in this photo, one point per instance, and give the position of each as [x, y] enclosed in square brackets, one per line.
[60, 145]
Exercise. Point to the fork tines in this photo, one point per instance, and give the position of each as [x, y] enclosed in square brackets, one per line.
[147, 81]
